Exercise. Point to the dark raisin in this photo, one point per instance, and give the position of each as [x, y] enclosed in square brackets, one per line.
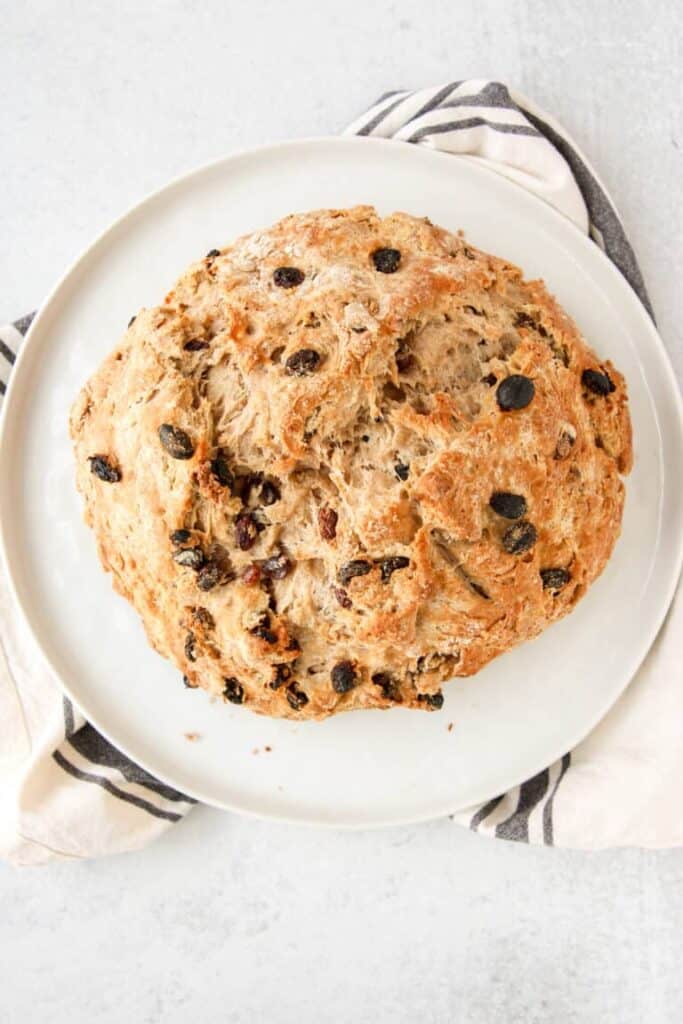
[519, 537]
[515, 392]
[296, 698]
[510, 506]
[357, 567]
[103, 469]
[390, 565]
[209, 576]
[270, 492]
[359, 330]
[402, 470]
[293, 645]
[246, 530]
[327, 523]
[176, 442]
[283, 673]
[432, 700]
[203, 617]
[387, 685]
[386, 260]
[555, 579]
[190, 647]
[233, 690]
[343, 677]
[365, 437]
[303, 362]
[263, 631]
[524, 320]
[343, 598]
[222, 472]
[467, 253]
[179, 537]
[598, 383]
[288, 277]
[188, 685]
[252, 574]
[565, 443]
[489, 379]
[195, 345]
[190, 558]
[276, 567]
[212, 253]
[132, 320]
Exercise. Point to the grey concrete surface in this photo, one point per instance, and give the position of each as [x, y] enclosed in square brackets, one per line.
[235, 920]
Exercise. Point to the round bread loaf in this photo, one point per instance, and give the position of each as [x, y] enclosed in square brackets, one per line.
[347, 459]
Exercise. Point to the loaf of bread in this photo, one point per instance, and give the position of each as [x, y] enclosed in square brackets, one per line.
[349, 458]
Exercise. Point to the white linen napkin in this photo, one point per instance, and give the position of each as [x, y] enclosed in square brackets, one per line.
[67, 792]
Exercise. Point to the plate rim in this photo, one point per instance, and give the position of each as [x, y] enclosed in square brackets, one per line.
[15, 389]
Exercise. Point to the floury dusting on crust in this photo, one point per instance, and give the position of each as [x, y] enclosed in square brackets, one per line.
[347, 459]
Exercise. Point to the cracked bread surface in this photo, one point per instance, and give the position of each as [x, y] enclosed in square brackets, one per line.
[347, 459]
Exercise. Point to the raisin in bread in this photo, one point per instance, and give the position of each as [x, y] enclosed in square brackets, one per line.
[348, 458]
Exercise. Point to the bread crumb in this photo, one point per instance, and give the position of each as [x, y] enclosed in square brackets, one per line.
[450, 727]
[267, 749]
[192, 737]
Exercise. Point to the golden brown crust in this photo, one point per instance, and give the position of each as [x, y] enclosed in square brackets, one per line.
[346, 530]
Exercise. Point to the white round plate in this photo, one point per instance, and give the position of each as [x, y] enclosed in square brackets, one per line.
[360, 769]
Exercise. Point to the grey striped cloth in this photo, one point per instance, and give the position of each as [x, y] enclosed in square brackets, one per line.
[482, 120]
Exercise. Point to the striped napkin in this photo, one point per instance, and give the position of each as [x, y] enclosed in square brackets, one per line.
[65, 791]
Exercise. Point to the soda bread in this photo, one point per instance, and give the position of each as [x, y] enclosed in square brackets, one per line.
[347, 459]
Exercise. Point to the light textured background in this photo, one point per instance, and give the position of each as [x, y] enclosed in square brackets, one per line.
[241, 921]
